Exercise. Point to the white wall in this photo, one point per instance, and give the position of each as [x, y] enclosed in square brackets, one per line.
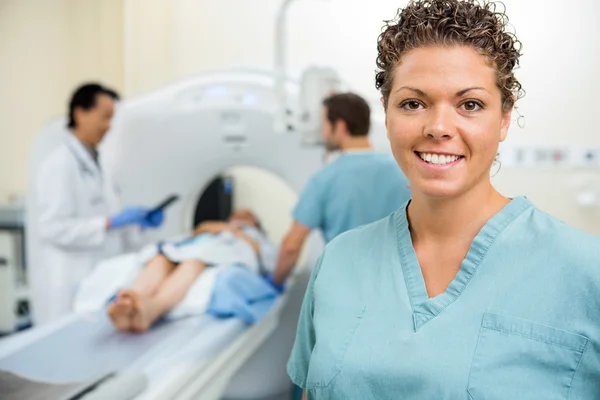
[558, 69]
[163, 41]
[47, 47]
[148, 44]
[214, 34]
[559, 72]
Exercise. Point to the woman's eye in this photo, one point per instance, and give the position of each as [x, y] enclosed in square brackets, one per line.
[411, 105]
[471, 106]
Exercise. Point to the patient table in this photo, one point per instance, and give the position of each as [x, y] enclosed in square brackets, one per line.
[190, 358]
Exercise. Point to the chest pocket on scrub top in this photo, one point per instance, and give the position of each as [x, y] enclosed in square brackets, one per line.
[521, 359]
[335, 326]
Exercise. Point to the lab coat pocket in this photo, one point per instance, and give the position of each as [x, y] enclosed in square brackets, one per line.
[329, 352]
[521, 359]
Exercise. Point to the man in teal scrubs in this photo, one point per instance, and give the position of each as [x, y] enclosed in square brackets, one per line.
[359, 187]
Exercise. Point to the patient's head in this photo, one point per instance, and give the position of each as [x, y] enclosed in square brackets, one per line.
[245, 216]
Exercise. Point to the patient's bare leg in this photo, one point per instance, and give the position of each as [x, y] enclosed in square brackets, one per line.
[148, 309]
[153, 275]
[147, 283]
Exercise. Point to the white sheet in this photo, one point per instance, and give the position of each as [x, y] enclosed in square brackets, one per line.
[119, 272]
[221, 251]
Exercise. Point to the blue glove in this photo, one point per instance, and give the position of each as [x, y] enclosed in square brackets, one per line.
[278, 288]
[153, 219]
[129, 216]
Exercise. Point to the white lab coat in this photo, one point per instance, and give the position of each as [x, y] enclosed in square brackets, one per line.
[73, 200]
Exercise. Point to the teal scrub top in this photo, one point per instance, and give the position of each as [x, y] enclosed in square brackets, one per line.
[521, 320]
[357, 188]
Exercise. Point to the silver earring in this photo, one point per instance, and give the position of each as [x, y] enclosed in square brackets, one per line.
[520, 119]
[497, 163]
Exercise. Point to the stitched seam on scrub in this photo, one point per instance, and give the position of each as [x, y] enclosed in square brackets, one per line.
[479, 336]
[399, 251]
[480, 259]
[339, 366]
[537, 339]
[490, 242]
[576, 369]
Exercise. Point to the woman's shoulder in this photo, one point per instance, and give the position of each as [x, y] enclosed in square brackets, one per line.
[557, 240]
[552, 229]
[353, 257]
[368, 233]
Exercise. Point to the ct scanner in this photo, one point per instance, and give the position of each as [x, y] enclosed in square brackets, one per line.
[175, 140]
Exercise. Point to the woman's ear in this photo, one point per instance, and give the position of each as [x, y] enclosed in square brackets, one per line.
[505, 125]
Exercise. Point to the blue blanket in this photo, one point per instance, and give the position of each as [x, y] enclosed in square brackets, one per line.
[241, 294]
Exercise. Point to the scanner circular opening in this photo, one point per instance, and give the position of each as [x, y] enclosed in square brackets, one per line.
[267, 195]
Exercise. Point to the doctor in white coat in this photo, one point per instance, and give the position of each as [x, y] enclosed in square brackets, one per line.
[79, 218]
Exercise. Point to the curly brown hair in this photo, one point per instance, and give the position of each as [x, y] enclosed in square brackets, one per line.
[449, 23]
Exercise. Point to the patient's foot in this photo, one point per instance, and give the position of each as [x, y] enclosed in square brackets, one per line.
[120, 312]
[144, 311]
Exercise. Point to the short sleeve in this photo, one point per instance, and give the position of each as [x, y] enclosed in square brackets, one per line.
[299, 360]
[309, 209]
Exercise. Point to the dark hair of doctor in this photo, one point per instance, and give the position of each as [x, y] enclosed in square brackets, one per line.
[85, 97]
[350, 108]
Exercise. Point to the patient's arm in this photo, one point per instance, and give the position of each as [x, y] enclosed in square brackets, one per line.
[213, 227]
[242, 235]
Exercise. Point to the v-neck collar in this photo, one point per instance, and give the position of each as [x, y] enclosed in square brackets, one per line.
[425, 308]
[83, 155]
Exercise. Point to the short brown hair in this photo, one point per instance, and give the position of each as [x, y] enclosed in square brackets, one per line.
[352, 109]
[446, 23]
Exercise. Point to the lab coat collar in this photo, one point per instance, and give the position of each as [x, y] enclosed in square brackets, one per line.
[83, 155]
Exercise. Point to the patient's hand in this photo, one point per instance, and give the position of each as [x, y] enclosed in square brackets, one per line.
[212, 227]
[237, 231]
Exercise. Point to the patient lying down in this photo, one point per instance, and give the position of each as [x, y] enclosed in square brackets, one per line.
[167, 277]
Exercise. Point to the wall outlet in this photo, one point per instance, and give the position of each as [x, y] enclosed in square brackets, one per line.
[586, 158]
[550, 157]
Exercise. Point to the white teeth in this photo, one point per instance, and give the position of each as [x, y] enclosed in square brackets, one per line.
[438, 159]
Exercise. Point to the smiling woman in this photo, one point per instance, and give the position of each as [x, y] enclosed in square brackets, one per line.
[463, 292]
[445, 119]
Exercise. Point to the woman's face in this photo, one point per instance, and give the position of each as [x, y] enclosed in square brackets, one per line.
[444, 119]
